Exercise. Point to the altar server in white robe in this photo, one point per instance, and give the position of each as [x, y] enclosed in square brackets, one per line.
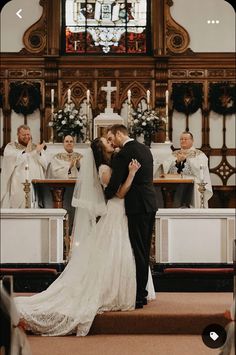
[22, 160]
[192, 162]
[65, 165]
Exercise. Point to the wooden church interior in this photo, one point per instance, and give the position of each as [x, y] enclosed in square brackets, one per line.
[176, 57]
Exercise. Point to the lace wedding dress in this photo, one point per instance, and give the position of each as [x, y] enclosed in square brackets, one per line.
[100, 275]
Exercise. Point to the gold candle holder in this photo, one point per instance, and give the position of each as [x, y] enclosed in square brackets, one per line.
[27, 193]
[51, 140]
[202, 189]
[167, 129]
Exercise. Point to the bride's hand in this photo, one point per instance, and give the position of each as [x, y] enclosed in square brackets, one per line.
[134, 165]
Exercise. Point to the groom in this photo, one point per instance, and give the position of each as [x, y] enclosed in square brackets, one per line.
[140, 201]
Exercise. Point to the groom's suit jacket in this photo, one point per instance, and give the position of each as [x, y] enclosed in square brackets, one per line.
[141, 195]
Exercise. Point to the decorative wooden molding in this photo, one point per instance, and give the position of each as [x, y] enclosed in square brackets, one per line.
[224, 170]
[177, 38]
[138, 90]
[35, 37]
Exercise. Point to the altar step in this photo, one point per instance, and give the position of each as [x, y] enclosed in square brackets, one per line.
[170, 313]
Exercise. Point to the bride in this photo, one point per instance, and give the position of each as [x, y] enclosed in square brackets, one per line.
[100, 275]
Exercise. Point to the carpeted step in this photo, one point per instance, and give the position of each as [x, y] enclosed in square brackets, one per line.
[170, 313]
[121, 345]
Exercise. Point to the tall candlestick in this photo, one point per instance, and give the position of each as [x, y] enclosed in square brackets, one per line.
[148, 97]
[52, 96]
[129, 96]
[27, 172]
[167, 96]
[88, 96]
[69, 96]
[167, 100]
[201, 173]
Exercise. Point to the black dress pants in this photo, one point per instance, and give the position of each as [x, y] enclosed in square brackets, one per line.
[140, 234]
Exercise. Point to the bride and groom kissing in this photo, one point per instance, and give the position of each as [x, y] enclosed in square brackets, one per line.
[109, 265]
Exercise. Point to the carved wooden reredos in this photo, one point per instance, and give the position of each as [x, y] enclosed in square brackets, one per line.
[172, 62]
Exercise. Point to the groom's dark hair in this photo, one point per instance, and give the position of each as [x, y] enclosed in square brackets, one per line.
[118, 127]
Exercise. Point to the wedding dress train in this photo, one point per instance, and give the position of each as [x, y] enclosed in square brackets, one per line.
[100, 276]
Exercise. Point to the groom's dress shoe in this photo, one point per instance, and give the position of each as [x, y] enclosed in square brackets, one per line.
[138, 304]
[145, 302]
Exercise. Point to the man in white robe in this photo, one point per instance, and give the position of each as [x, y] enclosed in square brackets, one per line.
[192, 162]
[65, 165]
[18, 156]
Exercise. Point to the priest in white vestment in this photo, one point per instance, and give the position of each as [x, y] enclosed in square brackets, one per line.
[66, 164]
[22, 160]
[192, 162]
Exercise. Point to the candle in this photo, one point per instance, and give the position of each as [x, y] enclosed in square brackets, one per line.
[201, 173]
[148, 97]
[52, 96]
[129, 96]
[69, 96]
[88, 96]
[27, 172]
[167, 97]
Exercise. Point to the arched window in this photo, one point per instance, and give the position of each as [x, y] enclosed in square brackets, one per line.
[105, 27]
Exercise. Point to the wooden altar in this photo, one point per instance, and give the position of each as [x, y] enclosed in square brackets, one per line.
[61, 191]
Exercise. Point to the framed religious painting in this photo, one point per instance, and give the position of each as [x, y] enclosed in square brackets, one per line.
[106, 27]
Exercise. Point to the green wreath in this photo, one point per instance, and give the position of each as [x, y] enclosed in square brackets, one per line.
[187, 98]
[222, 97]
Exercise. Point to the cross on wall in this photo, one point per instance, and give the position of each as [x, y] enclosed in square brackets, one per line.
[109, 89]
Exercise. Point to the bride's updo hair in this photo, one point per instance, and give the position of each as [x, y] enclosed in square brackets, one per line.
[99, 153]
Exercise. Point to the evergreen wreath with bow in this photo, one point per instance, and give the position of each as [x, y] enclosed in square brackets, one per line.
[187, 97]
[222, 98]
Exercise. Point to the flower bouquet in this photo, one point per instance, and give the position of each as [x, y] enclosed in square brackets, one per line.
[68, 121]
[147, 123]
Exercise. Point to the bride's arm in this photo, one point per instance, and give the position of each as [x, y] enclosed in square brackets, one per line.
[105, 176]
[124, 188]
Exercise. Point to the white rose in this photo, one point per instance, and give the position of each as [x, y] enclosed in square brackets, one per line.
[63, 122]
[50, 124]
[81, 124]
[60, 116]
[136, 121]
[71, 117]
[77, 122]
[144, 124]
[148, 119]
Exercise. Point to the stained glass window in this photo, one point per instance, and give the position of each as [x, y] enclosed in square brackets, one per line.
[105, 26]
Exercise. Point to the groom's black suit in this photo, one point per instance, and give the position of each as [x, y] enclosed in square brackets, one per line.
[140, 205]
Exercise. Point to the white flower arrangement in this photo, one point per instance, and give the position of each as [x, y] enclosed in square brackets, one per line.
[147, 123]
[68, 121]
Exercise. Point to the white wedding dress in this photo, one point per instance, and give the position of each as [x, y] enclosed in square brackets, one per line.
[100, 276]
